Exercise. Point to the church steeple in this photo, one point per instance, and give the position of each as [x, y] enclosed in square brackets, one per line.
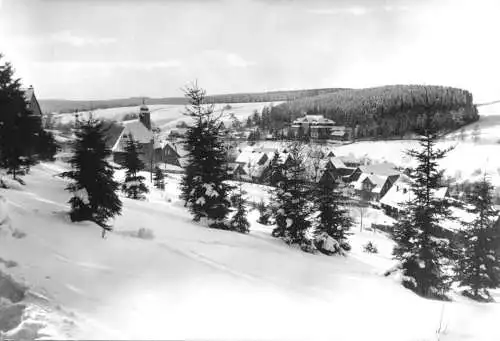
[145, 115]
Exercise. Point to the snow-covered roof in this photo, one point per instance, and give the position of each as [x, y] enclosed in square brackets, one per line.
[386, 169]
[337, 162]
[401, 192]
[137, 130]
[313, 119]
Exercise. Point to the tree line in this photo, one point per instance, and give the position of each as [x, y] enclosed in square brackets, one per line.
[386, 111]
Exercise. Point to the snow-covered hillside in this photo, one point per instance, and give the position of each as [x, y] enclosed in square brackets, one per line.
[193, 282]
[165, 116]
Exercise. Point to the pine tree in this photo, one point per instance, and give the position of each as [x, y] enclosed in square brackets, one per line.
[276, 170]
[159, 178]
[134, 186]
[422, 251]
[333, 219]
[47, 146]
[19, 128]
[264, 213]
[239, 221]
[478, 265]
[93, 187]
[292, 202]
[204, 187]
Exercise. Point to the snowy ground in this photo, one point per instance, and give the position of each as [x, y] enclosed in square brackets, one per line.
[193, 282]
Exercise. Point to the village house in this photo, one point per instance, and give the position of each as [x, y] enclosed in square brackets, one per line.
[32, 102]
[372, 182]
[400, 193]
[140, 130]
[315, 126]
[341, 133]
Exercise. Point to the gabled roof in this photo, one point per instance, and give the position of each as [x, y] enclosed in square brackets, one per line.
[380, 169]
[378, 181]
[401, 192]
[337, 162]
[137, 130]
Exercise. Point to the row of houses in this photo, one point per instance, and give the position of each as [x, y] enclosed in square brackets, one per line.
[381, 184]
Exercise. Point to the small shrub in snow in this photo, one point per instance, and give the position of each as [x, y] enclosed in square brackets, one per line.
[18, 234]
[264, 213]
[144, 233]
[370, 247]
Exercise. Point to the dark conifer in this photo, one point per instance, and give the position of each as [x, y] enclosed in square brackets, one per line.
[134, 186]
[292, 200]
[333, 218]
[19, 127]
[478, 265]
[204, 187]
[239, 221]
[159, 178]
[94, 189]
[422, 250]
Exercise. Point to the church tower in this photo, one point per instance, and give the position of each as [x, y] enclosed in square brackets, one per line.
[145, 115]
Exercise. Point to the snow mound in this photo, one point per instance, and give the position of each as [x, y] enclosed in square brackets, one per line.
[142, 233]
[20, 318]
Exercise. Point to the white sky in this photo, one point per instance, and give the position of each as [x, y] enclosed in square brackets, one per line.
[90, 49]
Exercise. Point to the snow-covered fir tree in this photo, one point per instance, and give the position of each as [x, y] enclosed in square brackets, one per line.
[422, 251]
[239, 221]
[133, 186]
[94, 188]
[204, 187]
[333, 219]
[478, 264]
[159, 178]
[292, 202]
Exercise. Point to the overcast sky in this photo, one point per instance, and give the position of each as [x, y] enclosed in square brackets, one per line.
[90, 49]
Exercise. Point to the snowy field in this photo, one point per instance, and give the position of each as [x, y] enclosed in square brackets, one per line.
[166, 116]
[184, 281]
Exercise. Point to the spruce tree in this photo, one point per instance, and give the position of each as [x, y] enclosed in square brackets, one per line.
[333, 218]
[159, 178]
[478, 265]
[94, 189]
[204, 187]
[422, 251]
[134, 186]
[47, 146]
[239, 221]
[19, 127]
[276, 170]
[291, 197]
[264, 213]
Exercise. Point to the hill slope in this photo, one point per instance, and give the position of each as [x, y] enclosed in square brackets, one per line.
[60, 106]
[386, 111]
[194, 282]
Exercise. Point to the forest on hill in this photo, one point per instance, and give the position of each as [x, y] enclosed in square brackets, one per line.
[387, 111]
[61, 105]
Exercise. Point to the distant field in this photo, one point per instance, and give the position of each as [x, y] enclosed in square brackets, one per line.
[465, 161]
[167, 116]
